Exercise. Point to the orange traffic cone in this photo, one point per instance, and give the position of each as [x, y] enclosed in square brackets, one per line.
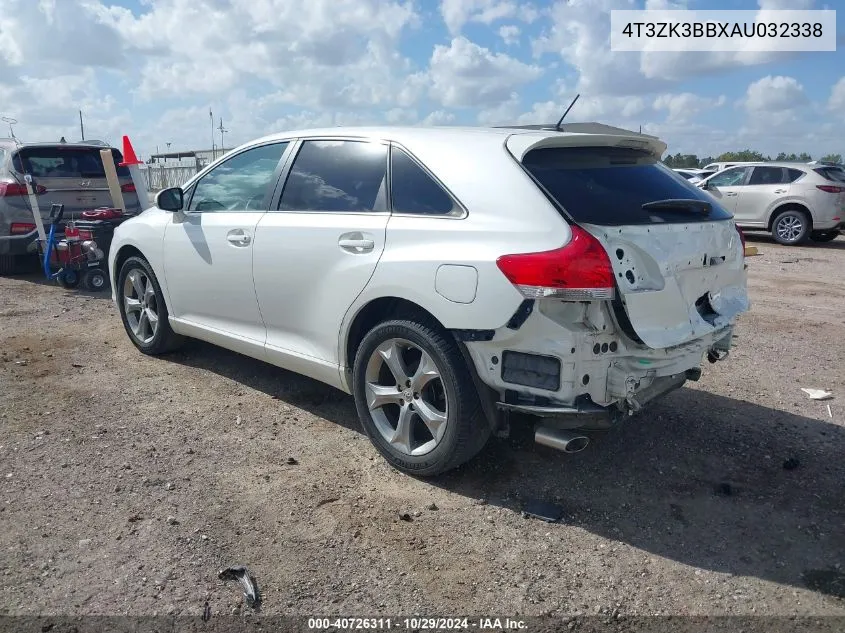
[129, 157]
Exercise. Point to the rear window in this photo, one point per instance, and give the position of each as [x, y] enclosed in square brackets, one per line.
[65, 162]
[836, 174]
[610, 185]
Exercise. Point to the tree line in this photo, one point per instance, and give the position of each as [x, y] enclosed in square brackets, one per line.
[678, 161]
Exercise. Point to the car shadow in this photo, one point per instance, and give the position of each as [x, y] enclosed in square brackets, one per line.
[705, 480]
[765, 238]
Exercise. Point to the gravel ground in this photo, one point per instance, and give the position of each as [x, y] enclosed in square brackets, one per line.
[127, 482]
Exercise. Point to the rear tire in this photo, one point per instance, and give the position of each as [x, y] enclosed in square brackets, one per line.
[434, 399]
[143, 310]
[824, 236]
[8, 264]
[95, 280]
[791, 227]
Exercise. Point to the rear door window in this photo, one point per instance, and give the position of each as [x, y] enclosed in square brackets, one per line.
[767, 176]
[337, 177]
[793, 174]
[65, 162]
[610, 185]
[413, 190]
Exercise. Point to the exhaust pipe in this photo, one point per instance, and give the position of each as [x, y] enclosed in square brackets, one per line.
[560, 439]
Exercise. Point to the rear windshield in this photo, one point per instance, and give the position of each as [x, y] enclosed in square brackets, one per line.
[832, 173]
[65, 162]
[610, 185]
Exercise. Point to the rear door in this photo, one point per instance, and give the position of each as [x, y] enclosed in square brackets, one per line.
[317, 248]
[764, 187]
[675, 251]
[72, 176]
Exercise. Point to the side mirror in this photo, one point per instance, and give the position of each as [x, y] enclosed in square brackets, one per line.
[704, 185]
[172, 199]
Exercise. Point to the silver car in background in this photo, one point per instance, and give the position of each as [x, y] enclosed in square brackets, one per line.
[62, 173]
[793, 201]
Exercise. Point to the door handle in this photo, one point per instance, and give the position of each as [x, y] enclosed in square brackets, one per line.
[730, 193]
[780, 190]
[238, 237]
[356, 245]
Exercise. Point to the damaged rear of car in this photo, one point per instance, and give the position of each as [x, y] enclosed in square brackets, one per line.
[648, 284]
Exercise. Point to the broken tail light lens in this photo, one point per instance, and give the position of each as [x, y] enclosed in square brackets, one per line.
[741, 238]
[578, 271]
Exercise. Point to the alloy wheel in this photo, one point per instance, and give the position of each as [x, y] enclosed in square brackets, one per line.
[789, 228]
[140, 305]
[406, 397]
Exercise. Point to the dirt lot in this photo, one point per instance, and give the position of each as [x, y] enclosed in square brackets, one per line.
[128, 481]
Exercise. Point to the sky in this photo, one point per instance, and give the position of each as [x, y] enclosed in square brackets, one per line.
[153, 69]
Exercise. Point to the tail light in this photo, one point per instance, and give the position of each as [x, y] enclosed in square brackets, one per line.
[831, 188]
[21, 228]
[9, 189]
[578, 271]
[128, 187]
[741, 238]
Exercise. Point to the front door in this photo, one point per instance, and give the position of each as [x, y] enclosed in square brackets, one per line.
[208, 248]
[317, 250]
[726, 185]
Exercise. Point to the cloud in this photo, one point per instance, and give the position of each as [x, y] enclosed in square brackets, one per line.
[509, 34]
[465, 74]
[686, 106]
[836, 102]
[456, 13]
[774, 94]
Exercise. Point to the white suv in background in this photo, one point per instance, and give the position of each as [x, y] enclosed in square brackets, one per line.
[794, 201]
[444, 276]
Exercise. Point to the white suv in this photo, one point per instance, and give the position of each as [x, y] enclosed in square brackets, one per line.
[444, 277]
[794, 201]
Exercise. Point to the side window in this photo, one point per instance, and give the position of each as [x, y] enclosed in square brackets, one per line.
[793, 174]
[240, 183]
[337, 177]
[413, 190]
[767, 176]
[729, 178]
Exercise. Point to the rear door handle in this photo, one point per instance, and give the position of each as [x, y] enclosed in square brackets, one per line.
[238, 237]
[780, 190]
[356, 243]
[731, 193]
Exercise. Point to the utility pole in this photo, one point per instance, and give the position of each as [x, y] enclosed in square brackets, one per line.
[81, 127]
[211, 118]
[222, 132]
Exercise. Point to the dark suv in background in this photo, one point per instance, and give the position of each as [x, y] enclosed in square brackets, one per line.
[63, 173]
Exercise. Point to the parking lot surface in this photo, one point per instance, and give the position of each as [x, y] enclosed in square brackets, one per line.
[128, 481]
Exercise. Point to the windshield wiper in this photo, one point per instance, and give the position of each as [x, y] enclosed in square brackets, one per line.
[683, 204]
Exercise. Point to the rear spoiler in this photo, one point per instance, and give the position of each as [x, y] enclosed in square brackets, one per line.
[519, 144]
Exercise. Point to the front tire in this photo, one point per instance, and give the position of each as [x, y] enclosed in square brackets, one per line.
[416, 399]
[824, 236]
[142, 309]
[791, 227]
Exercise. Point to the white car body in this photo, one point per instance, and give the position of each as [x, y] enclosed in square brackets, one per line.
[290, 288]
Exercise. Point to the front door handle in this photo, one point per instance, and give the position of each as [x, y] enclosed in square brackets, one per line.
[238, 237]
[356, 243]
[731, 193]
